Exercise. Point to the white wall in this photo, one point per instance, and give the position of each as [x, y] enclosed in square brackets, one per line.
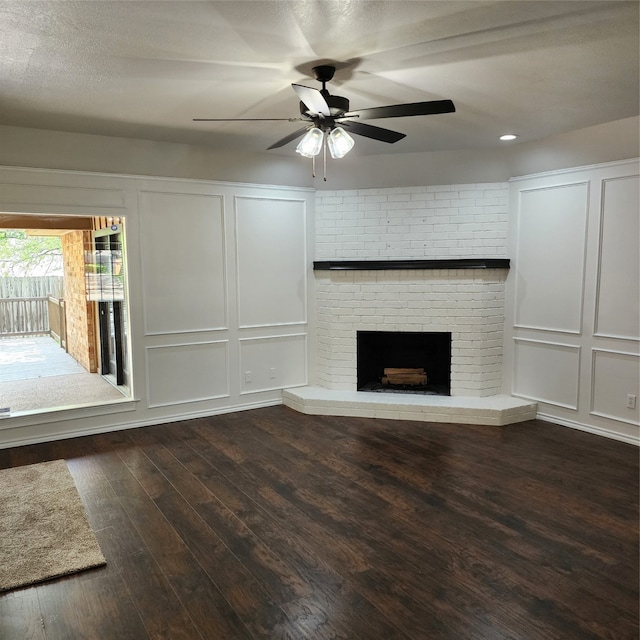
[573, 305]
[23, 147]
[607, 142]
[497, 162]
[218, 279]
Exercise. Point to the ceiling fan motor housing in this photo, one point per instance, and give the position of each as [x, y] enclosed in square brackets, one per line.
[338, 105]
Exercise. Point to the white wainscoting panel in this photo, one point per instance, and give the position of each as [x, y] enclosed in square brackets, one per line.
[547, 372]
[183, 262]
[615, 376]
[618, 301]
[271, 261]
[181, 373]
[273, 363]
[550, 260]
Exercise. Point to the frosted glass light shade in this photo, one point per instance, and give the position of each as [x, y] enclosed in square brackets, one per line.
[311, 144]
[339, 142]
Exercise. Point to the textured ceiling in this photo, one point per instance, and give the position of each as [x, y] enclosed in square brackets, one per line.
[145, 69]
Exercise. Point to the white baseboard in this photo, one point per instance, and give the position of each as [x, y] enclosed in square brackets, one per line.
[599, 431]
[77, 433]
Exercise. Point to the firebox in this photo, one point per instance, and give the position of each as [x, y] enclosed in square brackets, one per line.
[404, 361]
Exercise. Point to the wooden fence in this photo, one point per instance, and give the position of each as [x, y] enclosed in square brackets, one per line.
[24, 304]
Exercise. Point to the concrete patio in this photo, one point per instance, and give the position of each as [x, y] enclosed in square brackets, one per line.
[36, 375]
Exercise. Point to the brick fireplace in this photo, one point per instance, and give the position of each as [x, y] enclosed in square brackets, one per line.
[468, 303]
[373, 275]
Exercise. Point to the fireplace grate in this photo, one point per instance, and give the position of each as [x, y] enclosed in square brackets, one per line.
[429, 389]
[399, 352]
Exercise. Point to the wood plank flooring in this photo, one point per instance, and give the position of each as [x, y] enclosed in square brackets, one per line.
[277, 525]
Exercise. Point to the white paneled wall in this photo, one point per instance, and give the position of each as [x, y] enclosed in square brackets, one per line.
[561, 365]
[183, 234]
[217, 293]
[271, 261]
[618, 296]
[573, 306]
[613, 373]
[551, 237]
[200, 251]
[183, 373]
[273, 363]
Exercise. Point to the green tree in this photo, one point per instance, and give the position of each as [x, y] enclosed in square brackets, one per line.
[23, 255]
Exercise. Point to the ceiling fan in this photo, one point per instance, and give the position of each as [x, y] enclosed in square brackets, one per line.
[328, 119]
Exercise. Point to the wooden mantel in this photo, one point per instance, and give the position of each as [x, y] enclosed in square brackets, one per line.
[443, 263]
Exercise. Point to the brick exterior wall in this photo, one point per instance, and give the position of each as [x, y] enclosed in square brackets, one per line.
[450, 221]
[80, 314]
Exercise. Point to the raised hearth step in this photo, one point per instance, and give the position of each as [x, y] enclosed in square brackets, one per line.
[498, 410]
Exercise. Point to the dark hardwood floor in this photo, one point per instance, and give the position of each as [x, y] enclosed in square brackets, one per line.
[272, 524]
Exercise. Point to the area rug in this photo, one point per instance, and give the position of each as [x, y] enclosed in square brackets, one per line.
[44, 531]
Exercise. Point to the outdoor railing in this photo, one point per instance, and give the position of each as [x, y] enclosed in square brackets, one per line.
[23, 316]
[57, 323]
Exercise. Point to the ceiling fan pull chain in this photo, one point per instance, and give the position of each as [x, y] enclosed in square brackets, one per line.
[313, 166]
[324, 157]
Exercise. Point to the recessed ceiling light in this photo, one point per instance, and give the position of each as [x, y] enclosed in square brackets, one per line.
[508, 136]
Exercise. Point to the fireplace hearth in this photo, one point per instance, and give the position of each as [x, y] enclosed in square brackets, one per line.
[378, 351]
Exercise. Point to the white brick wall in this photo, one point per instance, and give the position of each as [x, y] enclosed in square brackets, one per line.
[454, 221]
[448, 221]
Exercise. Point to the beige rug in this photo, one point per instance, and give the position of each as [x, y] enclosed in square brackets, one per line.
[44, 531]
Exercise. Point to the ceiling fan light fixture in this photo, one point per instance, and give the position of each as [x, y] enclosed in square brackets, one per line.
[339, 142]
[311, 144]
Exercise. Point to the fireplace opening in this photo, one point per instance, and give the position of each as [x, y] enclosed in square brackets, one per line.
[399, 361]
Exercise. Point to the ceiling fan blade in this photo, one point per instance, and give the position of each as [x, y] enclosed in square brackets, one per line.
[369, 131]
[247, 119]
[289, 138]
[313, 99]
[402, 110]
